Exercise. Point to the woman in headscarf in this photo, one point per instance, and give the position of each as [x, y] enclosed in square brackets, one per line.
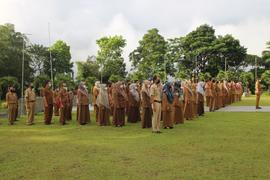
[187, 101]
[64, 103]
[119, 101]
[83, 105]
[200, 99]
[103, 106]
[167, 106]
[146, 105]
[133, 104]
[178, 114]
[194, 98]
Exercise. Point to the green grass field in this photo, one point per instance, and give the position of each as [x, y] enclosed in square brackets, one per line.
[217, 146]
[251, 101]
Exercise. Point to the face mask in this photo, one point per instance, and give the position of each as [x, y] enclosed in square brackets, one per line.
[65, 88]
[122, 86]
[50, 85]
[84, 86]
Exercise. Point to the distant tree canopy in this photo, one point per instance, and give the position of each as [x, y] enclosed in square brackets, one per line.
[109, 57]
[200, 53]
[14, 44]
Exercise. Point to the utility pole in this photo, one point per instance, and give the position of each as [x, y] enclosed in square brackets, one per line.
[22, 83]
[49, 31]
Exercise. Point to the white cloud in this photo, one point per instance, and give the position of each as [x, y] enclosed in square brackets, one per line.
[81, 22]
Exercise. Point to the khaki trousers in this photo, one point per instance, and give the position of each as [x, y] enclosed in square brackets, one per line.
[156, 117]
[30, 108]
[12, 108]
[258, 96]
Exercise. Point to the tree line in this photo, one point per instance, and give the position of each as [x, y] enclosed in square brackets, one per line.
[199, 54]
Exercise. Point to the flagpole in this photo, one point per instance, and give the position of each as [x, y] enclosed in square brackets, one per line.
[49, 32]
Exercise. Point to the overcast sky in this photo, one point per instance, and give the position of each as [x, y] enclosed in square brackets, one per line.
[81, 22]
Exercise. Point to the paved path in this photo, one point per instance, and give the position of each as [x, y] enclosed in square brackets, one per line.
[242, 109]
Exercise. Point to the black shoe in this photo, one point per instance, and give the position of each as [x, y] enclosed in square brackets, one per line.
[258, 108]
[171, 127]
[159, 132]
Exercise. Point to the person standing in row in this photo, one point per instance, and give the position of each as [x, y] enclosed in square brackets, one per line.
[47, 102]
[187, 101]
[258, 92]
[83, 113]
[64, 103]
[167, 106]
[12, 101]
[212, 103]
[156, 92]
[208, 92]
[146, 105]
[95, 95]
[200, 99]
[71, 98]
[178, 114]
[194, 98]
[56, 102]
[103, 106]
[133, 104]
[119, 101]
[30, 103]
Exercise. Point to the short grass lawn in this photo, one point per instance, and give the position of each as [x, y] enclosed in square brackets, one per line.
[219, 145]
[251, 101]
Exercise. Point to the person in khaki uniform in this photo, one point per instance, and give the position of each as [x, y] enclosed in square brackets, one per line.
[95, 95]
[258, 92]
[12, 101]
[30, 103]
[155, 92]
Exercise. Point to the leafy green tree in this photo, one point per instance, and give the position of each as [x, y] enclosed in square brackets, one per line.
[221, 75]
[247, 79]
[7, 81]
[39, 56]
[266, 79]
[61, 59]
[266, 56]
[114, 78]
[110, 58]
[11, 50]
[198, 48]
[149, 57]
[90, 68]
[64, 78]
[39, 82]
[228, 48]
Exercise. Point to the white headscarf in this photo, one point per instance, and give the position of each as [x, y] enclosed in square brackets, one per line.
[200, 88]
[134, 92]
[103, 98]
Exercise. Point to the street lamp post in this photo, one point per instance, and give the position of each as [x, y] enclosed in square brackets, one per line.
[22, 83]
[49, 32]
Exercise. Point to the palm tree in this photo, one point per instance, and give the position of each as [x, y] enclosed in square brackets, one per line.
[266, 55]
